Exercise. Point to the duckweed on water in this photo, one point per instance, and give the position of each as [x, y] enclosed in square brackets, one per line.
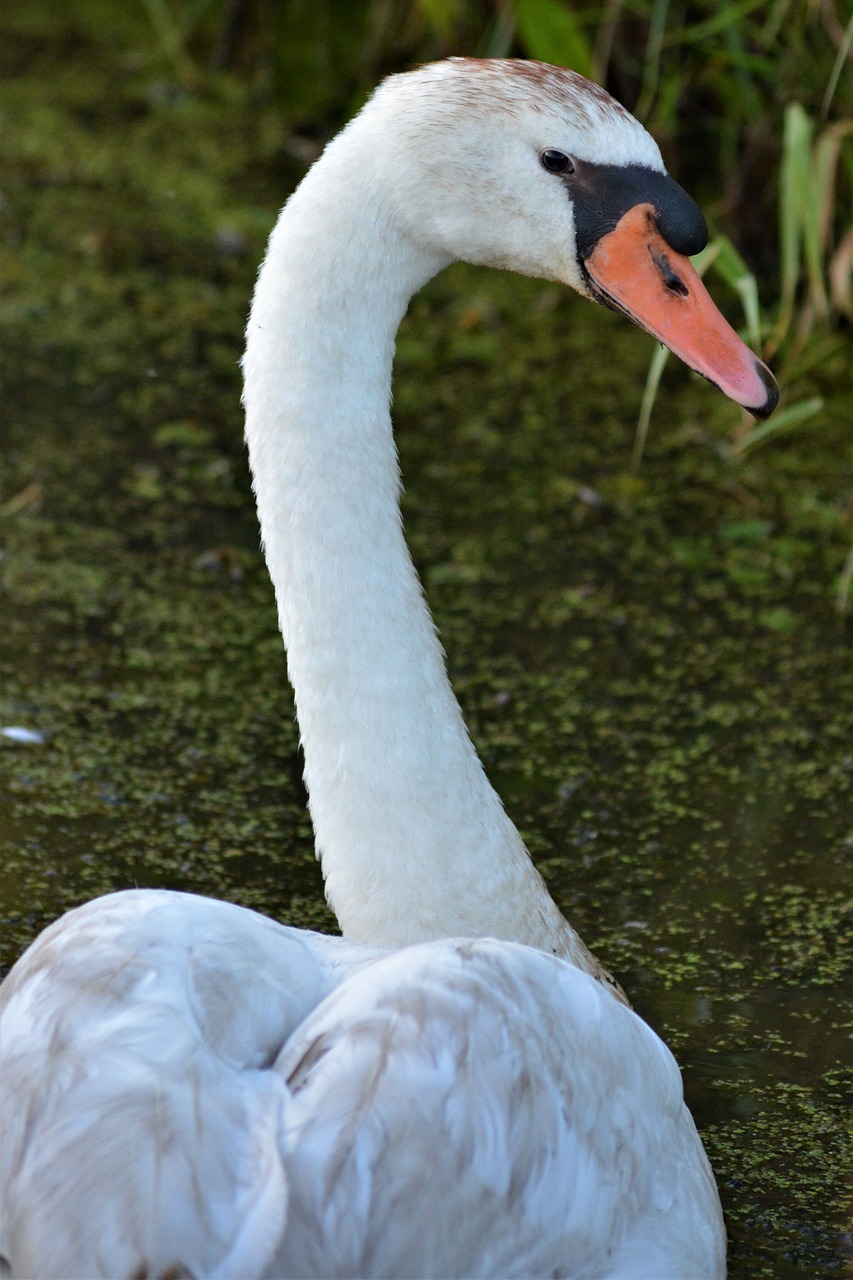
[651, 665]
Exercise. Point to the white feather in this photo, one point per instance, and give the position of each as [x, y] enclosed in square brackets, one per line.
[189, 1089]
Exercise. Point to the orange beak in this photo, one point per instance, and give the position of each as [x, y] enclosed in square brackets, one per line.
[632, 269]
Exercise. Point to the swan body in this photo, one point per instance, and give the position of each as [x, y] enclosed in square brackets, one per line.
[456, 1087]
[221, 1096]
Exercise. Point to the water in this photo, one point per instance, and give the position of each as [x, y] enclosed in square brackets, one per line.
[652, 667]
[681, 770]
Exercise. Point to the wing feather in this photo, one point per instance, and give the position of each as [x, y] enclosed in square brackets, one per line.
[482, 1109]
[150, 1141]
[221, 1096]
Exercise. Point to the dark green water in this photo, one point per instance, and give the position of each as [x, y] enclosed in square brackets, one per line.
[652, 667]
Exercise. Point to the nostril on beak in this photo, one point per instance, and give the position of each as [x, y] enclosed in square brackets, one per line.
[675, 284]
[671, 280]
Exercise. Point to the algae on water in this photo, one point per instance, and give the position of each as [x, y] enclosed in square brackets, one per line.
[651, 665]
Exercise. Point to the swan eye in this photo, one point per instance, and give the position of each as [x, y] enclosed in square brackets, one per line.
[556, 161]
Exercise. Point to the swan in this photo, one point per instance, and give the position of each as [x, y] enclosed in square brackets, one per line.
[455, 1087]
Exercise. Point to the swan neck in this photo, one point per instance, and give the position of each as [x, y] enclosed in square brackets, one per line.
[413, 840]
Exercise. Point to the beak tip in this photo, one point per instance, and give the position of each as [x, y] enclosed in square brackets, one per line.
[771, 389]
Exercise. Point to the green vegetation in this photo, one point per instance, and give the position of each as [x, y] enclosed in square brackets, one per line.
[751, 102]
[652, 661]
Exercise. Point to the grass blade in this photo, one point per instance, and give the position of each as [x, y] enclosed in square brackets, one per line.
[794, 181]
[783, 420]
[650, 391]
[553, 33]
[835, 74]
[730, 266]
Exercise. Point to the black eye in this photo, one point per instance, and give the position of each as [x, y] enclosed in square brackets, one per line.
[556, 161]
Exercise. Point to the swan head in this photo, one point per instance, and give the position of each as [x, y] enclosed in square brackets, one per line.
[534, 169]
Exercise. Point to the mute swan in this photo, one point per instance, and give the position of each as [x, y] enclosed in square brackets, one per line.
[454, 1088]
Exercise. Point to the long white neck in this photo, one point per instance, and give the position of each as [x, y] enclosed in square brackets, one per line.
[413, 840]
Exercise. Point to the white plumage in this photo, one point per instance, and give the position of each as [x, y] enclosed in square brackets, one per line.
[455, 1088]
[190, 1089]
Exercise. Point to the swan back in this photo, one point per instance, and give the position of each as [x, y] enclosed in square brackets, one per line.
[220, 1096]
[540, 1167]
[153, 1018]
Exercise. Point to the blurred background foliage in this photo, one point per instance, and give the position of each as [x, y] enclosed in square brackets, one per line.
[751, 102]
